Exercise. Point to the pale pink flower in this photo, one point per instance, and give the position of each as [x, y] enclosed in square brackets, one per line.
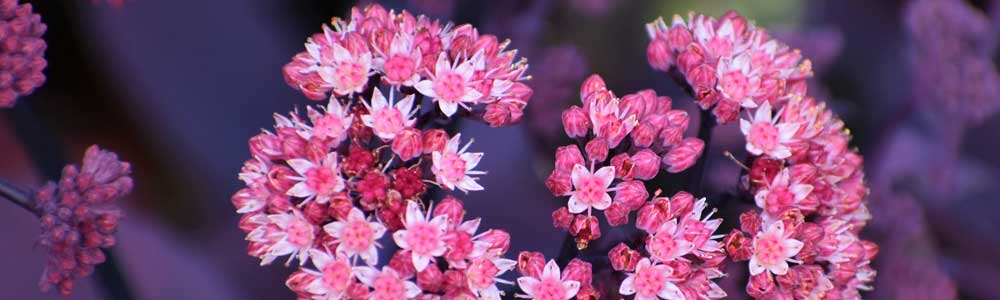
[402, 63]
[387, 118]
[549, 285]
[316, 180]
[452, 166]
[737, 81]
[482, 274]
[668, 243]
[424, 238]
[334, 275]
[773, 248]
[781, 193]
[355, 235]
[332, 124]
[765, 135]
[386, 284]
[346, 72]
[590, 189]
[451, 85]
[651, 281]
[292, 234]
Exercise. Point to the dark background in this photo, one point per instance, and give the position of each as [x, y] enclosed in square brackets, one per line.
[177, 88]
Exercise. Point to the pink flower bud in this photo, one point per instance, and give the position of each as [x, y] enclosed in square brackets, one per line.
[434, 140]
[623, 258]
[726, 111]
[266, 146]
[430, 279]
[597, 150]
[408, 144]
[738, 246]
[497, 114]
[760, 285]
[585, 229]
[678, 37]
[623, 166]
[497, 241]
[645, 164]
[567, 157]
[521, 91]
[575, 122]
[631, 194]
[451, 207]
[671, 136]
[691, 57]
[653, 214]
[739, 23]
[616, 214]
[684, 156]
[681, 204]
[659, 55]
[402, 263]
[559, 183]
[702, 79]
[644, 134]
[530, 264]
[762, 171]
[562, 218]
[592, 84]
[750, 222]
[579, 271]
[278, 178]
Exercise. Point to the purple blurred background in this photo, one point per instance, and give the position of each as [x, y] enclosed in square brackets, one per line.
[177, 88]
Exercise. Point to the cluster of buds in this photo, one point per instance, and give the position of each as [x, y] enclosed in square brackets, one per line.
[728, 63]
[541, 280]
[808, 183]
[463, 71]
[21, 51]
[621, 143]
[78, 217]
[328, 188]
[681, 257]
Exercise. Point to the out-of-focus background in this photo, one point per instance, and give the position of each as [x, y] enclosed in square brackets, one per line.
[177, 88]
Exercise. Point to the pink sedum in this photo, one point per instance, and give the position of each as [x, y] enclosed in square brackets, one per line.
[773, 249]
[387, 118]
[651, 281]
[424, 238]
[452, 166]
[549, 285]
[451, 86]
[590, 189]
[765, 135]
[356, 236]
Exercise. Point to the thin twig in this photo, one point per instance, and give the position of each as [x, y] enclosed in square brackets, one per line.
[18, 196]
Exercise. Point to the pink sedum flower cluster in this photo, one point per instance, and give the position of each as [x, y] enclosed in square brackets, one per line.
[729, 64]
[22, 51]
[79, 217]
[458, 68]
[330, 188]
[625, 141]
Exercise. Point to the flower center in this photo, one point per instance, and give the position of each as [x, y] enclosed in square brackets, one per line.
[399, 67]
[648, 282]
[300, 232]
[357, 235]
[388, 287]
[423, 238]
[481, 274]
[663, 247]
[779, 198]
[321, 180]
[337, 276]
[388, 120]
[769, 249]
[329, 126]
[449, 87]
[351, 75]
[735, 84]
[764, 136]
[591, 190]
[550, 289]
[452, 167]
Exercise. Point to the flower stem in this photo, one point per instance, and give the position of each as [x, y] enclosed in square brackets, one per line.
[18, 196]
[45, 151]
[705, 128]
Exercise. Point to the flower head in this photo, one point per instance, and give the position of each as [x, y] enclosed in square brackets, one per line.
[453, 166]
[651, 281]
[23, 51]
[590, 189]
[549, 285]
[424, 238]
[356, 236]
[765, 135]
[386, 284]
[317, 180]
[773, 249]
[387, 118]
[451, 85]
[335, 275]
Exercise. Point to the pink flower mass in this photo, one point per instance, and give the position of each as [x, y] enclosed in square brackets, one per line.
[331, 189]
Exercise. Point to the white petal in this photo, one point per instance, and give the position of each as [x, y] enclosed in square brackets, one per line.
[365, 274]
[471, 159]
[400, 238]
[763, 113]
[413, 213]
[781, 152]
[300, 166]
[551, 270]
[606, 174]
[471, 95]
[412, 290]
[745, 127]
[792, 247]
[426, 87]
[334, 229]
[575, 206]
[670, 292]
[579, 171]
[441, 65]
[781, 268]
[420, 262]
[603, 203]
[786, 131]
[572, 287]
[447, 107]
[469, 184]
[627, 287]
[527, 284]
[300, 190]
[755, 266]
[801, 191]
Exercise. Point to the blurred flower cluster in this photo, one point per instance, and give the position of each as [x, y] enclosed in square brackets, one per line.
[21, 51]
